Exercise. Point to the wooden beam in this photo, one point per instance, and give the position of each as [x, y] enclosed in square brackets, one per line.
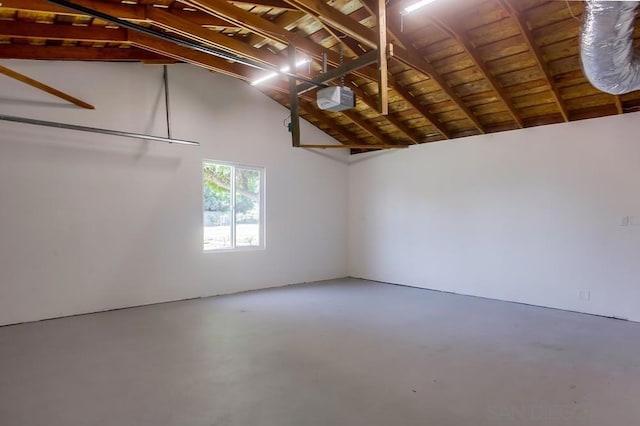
[293, 98]
[329, 124]
[127, 12]
[383, 80]
[191, 56]
[165, 49]
[61, 32]
[422, 109]
[241, 18]
[123, 11]
[184, 27]
[455, 33]
[338, 20]
[279, 4]
[45, 88]
[371, 6]
[270, 30]
[351, 66]
[366, 126]
[78, 53]
[372, 103]
[537, 53]
[407, 55]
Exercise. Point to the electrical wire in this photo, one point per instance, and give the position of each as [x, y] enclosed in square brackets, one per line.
[284, 122]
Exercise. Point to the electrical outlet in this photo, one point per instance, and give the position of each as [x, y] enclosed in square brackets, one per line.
[584, 295]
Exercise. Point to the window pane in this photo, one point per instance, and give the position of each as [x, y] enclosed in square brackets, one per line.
[217, 206]
[247, 207]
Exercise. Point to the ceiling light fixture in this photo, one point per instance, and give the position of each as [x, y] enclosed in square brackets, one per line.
[407, 10]
[273, 74]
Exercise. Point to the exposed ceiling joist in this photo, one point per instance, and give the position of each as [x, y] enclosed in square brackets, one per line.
[422, 109]
[185, 54]
[129, 12]
[450, 29]
[367, 126]
[365, 35]
[372, 103]
[61, 32]
[270, 30]
[489, 65]
[187, 29]
[537, 54]
[79, 53]
[125, 11]
[278, 4]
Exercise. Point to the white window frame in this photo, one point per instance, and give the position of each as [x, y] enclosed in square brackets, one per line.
[261, 220]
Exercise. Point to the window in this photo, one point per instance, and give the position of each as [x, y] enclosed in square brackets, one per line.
[233, 206]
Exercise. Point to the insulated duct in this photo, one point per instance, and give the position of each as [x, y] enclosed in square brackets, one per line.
[607, 53]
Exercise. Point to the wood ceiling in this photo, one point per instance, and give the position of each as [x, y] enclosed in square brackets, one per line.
[459, 68]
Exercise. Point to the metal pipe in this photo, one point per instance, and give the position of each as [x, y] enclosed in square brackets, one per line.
[182, 42]
[606, 49]
[94, 130]
[165, 77]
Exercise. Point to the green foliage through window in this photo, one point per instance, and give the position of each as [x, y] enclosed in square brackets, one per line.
[229, 189]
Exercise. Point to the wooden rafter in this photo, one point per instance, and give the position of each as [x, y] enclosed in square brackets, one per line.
[407, 55]
[366, 126]
[330, 125]
[278, 4]
[537, 53]
[270, 30]
[455, 33]
[44, 87]
[371, 7]
[61, 32]
[128, 12]
[337, 20]
[519, 74]
[123, 11]
[79, 53]
[185, 54]
[422, 109]
[184, 27]
[372, 103]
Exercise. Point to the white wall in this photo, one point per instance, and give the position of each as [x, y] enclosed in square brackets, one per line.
[530, 216]
[91, 222]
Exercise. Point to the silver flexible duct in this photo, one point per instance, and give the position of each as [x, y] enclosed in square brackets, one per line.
[607, 53]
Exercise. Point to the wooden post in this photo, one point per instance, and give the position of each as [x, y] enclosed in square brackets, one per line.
[293, 98]
[383, 95]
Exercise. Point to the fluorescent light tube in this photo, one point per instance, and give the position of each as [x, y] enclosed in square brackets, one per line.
[416, 6]
[273, 74]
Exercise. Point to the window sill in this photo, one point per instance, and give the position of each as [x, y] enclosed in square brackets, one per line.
[234, 250]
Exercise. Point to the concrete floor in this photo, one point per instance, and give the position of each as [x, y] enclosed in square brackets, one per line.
[343, 352]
